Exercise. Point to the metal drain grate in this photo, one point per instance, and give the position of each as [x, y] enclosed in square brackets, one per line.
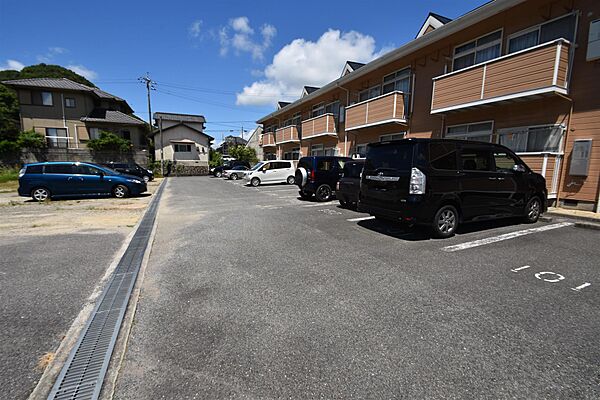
[84, 371]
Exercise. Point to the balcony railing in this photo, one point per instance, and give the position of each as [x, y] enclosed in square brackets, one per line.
[287, 134]
[323, 125]
[267, 140]
[384, 109]
[531, 72]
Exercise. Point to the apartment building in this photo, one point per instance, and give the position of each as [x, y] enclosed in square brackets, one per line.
[68, 114]
[523, 73]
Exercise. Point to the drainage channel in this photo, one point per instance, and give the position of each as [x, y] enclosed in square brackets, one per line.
[83, 373]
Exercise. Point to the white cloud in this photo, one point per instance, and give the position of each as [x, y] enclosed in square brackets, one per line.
[51, 53]
[12, 64]
[195, 29]
[240, 36]
[83, 71]
[304, 62]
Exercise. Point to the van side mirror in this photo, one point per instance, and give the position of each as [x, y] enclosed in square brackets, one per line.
[518, 168]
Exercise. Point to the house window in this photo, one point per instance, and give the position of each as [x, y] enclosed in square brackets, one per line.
[69, 102]
[562, 27]
[182, 148]
[94, 133]
[47, 99]
[318, 109]
[399, 80]
[477, 51]
[126, 135]
[392, 136]
[57, 138]
[480, 131]
[535, 139]
[369, 93]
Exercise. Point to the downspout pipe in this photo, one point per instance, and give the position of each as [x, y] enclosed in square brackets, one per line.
[347, 103]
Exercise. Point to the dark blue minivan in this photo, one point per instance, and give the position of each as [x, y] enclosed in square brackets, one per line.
[42, 181]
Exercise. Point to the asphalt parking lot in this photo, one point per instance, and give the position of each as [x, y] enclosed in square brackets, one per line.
[53, 257]
[253, 293]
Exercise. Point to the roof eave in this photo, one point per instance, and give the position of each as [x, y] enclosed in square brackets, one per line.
[472, 17]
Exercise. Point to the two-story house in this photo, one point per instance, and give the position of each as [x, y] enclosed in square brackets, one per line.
[68, 114]
[523, 73]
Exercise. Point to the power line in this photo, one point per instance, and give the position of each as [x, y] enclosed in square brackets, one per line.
[236, 108]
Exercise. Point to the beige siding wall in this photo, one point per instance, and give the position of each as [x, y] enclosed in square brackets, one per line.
[199, 152]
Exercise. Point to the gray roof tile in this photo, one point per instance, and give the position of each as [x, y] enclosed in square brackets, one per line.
[179, 117]
[113, 117]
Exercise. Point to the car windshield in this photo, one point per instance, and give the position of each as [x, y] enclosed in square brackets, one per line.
[257, 166]
[397, 156]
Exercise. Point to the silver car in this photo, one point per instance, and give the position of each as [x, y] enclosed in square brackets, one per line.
[235, 173]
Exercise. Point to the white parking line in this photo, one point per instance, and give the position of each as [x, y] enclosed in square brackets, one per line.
[278, 190]
[505, 236]
[331, 203]
[359, 219]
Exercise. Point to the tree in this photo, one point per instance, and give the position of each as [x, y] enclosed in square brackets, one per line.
[9, 114]
[108, 141]
[243, 153]
[215, 158]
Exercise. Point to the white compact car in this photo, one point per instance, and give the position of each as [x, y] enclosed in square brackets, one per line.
[273, 171]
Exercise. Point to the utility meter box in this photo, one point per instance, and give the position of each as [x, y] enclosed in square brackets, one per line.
[580, 157]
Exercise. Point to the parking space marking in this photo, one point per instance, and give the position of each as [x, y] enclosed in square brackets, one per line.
[520, 268]
[580, 287]
[506, 236]
[278, 190]
[541, 275]
[360, 219]
[331, 203]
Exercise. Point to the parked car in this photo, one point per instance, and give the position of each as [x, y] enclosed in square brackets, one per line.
[41, 181]
[235, 173]
[132, 169]
[348, 186]
[218, 171]
[441, 183]
[319, 175]
[272, 171]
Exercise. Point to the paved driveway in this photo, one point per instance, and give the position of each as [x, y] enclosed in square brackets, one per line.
[252, 293]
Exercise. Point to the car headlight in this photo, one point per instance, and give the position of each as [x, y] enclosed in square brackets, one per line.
[134, 181]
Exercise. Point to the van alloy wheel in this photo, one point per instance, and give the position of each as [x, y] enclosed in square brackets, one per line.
[533, 210]
[40, 194]
[445, 222]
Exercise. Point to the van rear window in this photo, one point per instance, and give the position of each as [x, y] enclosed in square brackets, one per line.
[393, 156]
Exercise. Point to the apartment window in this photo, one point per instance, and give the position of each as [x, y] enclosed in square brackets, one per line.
[69, 102]
[477, 51]
[333, 108]
[399, 80]
[532, 139]
[297, 119]
[360, 151]
[57, 138]
[317, 150]
[318, 109]
[480, 131]
[562, 27]
[292, 155]
[270, 156]
[47, 99]
[182, 148]
[392, 136]
[369, 93]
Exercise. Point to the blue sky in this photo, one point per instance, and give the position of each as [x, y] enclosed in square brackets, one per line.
[226, 60]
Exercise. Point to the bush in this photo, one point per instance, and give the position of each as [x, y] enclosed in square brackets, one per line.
[31, 140]
[243, 153]
[108, 141]
[8, 174]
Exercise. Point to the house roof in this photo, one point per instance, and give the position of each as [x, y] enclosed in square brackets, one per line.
[111, 117]
[63, 84]
[351, 66]
[186, 141]
[472, 17]
[281, 104]
[157, 131]
[165, 116]
[306, 90]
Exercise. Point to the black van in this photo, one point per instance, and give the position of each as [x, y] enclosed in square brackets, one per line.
[441, 183]
[318, 175]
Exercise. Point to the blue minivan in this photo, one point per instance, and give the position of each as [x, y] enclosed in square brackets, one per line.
[42, 181]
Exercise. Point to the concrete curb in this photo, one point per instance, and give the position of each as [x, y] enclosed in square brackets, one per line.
[579, 222]
[52, 370]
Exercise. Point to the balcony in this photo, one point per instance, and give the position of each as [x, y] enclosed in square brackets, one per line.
[267, 140]
[287, 134]
[380, 110]
[323, 125]
[533, 72]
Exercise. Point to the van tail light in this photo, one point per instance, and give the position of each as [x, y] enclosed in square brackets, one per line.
[312, 175]
[417, 181]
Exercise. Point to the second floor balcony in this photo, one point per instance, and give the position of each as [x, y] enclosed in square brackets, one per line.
[267, 139]
[533, 72]
[323, 125]
[385, 109]
[287, 134]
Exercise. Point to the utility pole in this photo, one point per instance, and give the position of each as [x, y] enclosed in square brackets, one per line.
[150, 85]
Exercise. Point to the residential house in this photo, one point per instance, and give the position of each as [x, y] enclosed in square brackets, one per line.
[254, 142]
[68, 114]
[230, 141]
[181, 138]
[523, 73]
